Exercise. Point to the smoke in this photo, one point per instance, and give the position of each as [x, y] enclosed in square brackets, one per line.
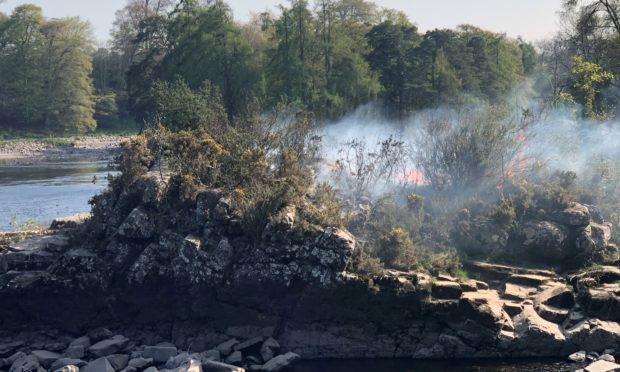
[548, 140]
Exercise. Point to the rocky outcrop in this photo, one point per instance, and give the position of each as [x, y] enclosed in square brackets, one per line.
[200, 285]
[565, 239]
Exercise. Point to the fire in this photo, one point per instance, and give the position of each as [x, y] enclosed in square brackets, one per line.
[415, 177]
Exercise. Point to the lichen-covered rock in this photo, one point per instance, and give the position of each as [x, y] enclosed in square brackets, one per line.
[82, 267]
[544, 241]
[138, 225]
[576, 215]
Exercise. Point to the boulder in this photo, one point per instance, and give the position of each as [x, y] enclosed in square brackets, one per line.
[578, 357]
[226, 348]
[543, 241]
[109, 346]
[67, 362]
[98, 365]
[600, 303]
[601, 234]
[235, 357]
[118, 361]
[558, 295]
[602, 366]
[210, 355]
[140, 363]
[446, 290]
[7, 349]
[280, 362]
[607, 358]
[159, 354]
[28, 363]
[75, 351]
[138, 225]
[269, 349]
[541, 337]
[46, 358]
[85, 340]
[253, 343]
[516, 292]
[576, 215]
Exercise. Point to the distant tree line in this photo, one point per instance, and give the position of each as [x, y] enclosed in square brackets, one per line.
[328, 57]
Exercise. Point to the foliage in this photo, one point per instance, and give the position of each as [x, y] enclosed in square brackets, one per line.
[178, 107]
[45, 68]
[588, 80]
[396, 249]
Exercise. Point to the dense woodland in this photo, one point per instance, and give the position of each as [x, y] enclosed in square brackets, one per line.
[327, 57]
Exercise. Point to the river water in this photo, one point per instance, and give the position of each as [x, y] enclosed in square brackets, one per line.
[404, 365]
[43, 190]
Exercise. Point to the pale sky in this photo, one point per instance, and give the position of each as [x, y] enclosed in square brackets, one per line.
[532, 19]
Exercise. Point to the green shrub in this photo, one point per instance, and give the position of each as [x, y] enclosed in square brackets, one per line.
[395, 249]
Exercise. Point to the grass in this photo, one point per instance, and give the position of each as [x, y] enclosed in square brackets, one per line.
[121, 127]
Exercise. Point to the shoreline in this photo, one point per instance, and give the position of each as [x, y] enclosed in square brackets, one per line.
[22, 151]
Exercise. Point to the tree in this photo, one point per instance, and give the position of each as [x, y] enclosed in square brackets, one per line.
[21, 67]
[588, 80]
[205, 45]
[70, 103]
[290, 73]
[392, 46]
[603, 13]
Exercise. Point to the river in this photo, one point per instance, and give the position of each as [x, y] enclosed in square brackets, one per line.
[405, 365]
[40, 191]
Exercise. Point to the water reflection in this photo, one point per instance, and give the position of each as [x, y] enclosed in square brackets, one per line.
[400, 365]
[48, 189]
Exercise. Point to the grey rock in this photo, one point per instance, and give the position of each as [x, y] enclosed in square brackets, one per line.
[129, 369]
[226, 348]
[84, 341]
[151, 369]
[602, 366]
[235, 358]
[269, 349]
[138, 225]
[248, 344]
[109, 346]
[140, 363]
[29, 363]
[280, 362]
[9, 348]
[159, 354]
[544, 241]
[447, 290]
[213, 366]
[578, 357]
[210, 355]
[607, 357]
[118, 361]
[98, 365]
[177, 361]
[55, 346]
[46, 358]
[75, 351]
[577, 215]
[67, 362]
[11, 359]
[94, 335]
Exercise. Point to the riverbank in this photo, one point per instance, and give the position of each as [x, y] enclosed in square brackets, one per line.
[21, 151]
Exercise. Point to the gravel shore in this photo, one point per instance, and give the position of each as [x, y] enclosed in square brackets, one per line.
[100, 147]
